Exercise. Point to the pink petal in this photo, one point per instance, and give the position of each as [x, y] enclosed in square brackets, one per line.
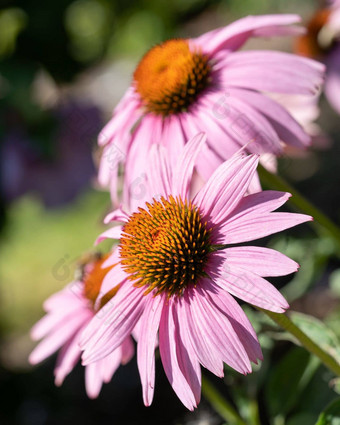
[146, 345]
[158, 174]
[66, 300]
[168, 351]
[49, 322]
[261, 261]
[201, 346]
[220, 135]
[182, 173]
[252, 288]
[251, 127]
[233, 36]
[239, 321]
[173, 137]
[124, 116]
[187, 359]
[68, 357]
[113, 323]
[93, 381]
[135, 188]
[117, 215]
[209, 159]
[128, 350]
[226, 187]
[255, 184]
[113, 233]
[254, 226]
[113, 259]
[59, 336]
[260, 203]
[281, 120]
[114, 277]
[272, 71]
[219, 333]
[109, 365]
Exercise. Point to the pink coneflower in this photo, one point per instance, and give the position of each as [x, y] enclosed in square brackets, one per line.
[68, 312]
[322, 41]
[184, 86]
[178, 271]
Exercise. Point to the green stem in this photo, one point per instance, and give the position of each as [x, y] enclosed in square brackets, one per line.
[254, 409]
[220, 404]
[298, 201]
[284, 321]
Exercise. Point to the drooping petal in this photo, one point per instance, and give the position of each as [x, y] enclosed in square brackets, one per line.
[220, 334]
[187, 359]
[288, 129]
[109, 365]
[208, 358]
[168, 351]
[272, 71]
[68, 357]
[146, 345]
[219, 132]
[93, 381]
[239, 321]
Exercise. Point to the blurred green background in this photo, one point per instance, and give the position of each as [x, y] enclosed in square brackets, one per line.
[63, 67]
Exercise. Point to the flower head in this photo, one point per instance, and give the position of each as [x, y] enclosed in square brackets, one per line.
[68, 312]
[184, 86]
[177, 272]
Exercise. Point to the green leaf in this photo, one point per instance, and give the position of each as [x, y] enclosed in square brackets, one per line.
[284, 382]
[318, 332]
[331, 415]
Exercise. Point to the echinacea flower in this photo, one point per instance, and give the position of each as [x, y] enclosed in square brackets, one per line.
[68, 312]
[185, 86]
[322, 42]
[178, 272]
